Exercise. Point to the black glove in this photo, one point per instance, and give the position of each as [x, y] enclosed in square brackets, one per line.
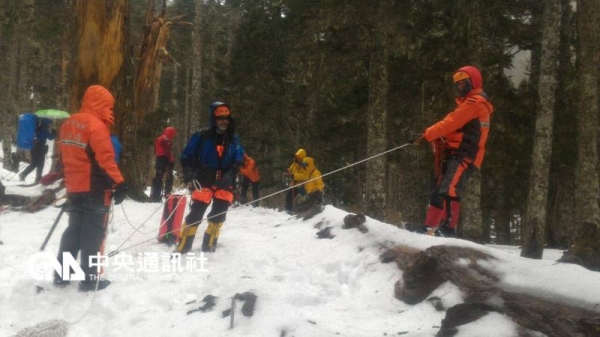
[188, 175]
[415, 139]
[226, 181]
[120, 193]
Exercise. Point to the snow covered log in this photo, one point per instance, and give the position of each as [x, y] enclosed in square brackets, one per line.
[28, 203]
[483, 291]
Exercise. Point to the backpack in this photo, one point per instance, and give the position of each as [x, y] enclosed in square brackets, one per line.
[26, 131]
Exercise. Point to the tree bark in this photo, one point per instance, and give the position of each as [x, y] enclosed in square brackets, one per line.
[15, 83]
[424, 272]
[586, 193]
[377, 121]
[140, 129]
[99, 46]
[533, 238]
[471, 227]
[586, 174]
[196, 89]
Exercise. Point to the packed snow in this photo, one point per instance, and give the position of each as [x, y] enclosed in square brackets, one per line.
[305, 286]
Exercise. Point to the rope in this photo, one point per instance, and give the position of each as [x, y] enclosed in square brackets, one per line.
[59, 328]
[197, 185]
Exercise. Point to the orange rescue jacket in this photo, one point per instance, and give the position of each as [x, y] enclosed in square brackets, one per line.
[87, 154]
[464, 131]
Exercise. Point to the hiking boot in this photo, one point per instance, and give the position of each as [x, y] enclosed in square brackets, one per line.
[59, 282]
[448, 232]
[21, 177]
[91, 285]
[431, 231]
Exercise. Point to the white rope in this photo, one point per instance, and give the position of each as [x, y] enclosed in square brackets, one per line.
[59, 328]
[196, 185]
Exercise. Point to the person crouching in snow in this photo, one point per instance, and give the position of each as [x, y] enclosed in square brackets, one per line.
[211, 160]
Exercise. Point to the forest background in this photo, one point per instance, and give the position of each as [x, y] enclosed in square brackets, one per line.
[343, 79]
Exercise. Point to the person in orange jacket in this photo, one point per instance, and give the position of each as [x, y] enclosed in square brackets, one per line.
[165, 162]
[458, 141]
[250, 176]
[92, 179]
[297, 174]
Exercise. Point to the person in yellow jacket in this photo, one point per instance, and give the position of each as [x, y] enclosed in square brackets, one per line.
[297, 173]
[314, 188]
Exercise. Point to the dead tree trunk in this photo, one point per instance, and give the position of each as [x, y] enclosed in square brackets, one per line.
[426, 271]
[138, 132]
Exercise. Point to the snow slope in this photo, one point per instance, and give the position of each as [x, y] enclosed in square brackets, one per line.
[305, 286]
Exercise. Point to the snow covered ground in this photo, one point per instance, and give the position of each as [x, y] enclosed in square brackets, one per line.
[305, 286]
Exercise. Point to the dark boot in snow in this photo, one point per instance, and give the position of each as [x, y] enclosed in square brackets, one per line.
[91, 285]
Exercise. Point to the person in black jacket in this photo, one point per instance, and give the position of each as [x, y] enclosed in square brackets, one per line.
[210, 161]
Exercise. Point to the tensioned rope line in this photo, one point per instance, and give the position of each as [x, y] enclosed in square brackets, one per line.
[117, 251]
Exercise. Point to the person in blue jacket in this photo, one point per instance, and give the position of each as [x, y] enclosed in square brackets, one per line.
[43, 132]
[210, 161]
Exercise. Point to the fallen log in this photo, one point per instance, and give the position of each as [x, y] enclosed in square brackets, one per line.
[425, 271]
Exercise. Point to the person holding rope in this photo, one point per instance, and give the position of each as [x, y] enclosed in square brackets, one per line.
[458, 141]
[297, 174]
[210, 161]
[314, 190]
[92, 178]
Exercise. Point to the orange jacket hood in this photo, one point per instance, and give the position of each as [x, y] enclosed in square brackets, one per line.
[99, 102]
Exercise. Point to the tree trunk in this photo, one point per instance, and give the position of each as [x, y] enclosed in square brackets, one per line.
[586, 174]
[424, 272]
[140, 128]
[16, 25]
[471, 227]
[98, 46]
[196, 89]
[377, 120]
[535, 220]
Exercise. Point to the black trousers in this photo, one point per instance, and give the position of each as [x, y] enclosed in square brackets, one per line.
[38, 159]
[255, 190]
[198, 208]
[313, 199]
[88, 217]
[291, 195]
[162, 167]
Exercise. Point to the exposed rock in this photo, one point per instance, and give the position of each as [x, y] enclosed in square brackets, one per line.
[209, 302]
[249, 300]
[325, 233]
[355, 221]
